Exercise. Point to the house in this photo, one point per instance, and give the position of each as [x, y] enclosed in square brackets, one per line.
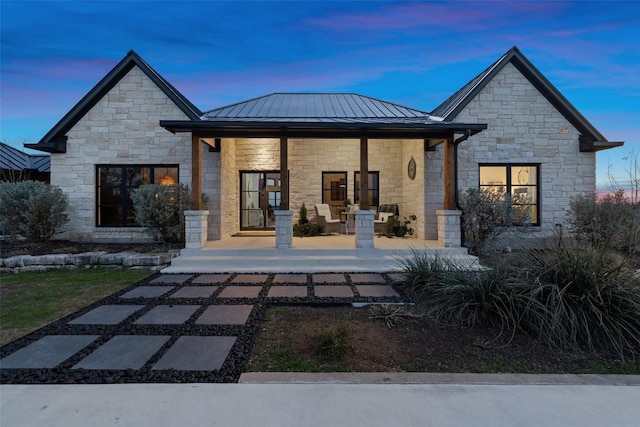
[257, 161]
[16, 165]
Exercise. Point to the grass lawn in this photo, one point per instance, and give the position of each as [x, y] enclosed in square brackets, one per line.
[29, 301]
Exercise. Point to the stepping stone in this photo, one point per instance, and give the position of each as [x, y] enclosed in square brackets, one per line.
[211, 278]
[396, 277]
[48, 352]
[376, 291]
[287, 291]
[333, 291]
[329, 278]
[124, 352]
[167, 315]
[106, 315]
[147, 292]
[290, 278]
[195, 292]
[250, 278]
[196, 354]
[240, 292]
[367, 278]
[171, 278]
[225, 315]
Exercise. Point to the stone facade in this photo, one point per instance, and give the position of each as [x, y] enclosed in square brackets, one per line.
[523, 127]
[122, 128]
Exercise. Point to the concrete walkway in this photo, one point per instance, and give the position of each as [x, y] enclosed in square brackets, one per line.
[284, 405]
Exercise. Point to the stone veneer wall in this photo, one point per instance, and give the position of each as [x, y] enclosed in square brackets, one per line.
[122, 128]
[308, 158]
[523, 127]
[413, 191]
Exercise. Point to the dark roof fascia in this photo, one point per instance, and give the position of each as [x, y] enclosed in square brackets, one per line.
[321, 130]
[590, 145]
[53, 142]
[540, 82]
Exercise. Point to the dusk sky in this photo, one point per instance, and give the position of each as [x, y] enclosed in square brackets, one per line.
[412, 53]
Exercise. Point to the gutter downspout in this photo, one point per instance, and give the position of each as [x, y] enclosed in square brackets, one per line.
[467, 134]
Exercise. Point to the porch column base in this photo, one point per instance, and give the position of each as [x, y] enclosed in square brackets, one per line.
[449, 233]
[195, 229]
[364, 229]
[284, 229]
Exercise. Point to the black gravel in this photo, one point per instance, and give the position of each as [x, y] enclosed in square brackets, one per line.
[231, 368]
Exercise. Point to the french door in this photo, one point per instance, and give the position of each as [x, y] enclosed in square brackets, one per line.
[259, 198]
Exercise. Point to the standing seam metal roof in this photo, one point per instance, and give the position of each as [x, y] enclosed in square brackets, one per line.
[314, 106]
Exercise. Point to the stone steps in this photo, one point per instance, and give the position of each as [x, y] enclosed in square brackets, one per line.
[304, 260]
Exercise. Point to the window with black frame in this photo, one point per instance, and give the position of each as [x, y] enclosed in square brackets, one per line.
[115, 183]
[374, 188]
[334, 191]
[521, 181]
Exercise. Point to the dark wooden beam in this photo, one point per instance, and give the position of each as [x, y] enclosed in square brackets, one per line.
[450, 174]
[364, 174]
[284, 174]
[196, 173]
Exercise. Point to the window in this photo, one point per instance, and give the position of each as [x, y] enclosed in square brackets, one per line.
[334, 191]
[374, 188]
[114, 207]
[519, 180]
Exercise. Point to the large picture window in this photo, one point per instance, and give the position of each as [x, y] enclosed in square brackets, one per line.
[374, 188]
[114, 207]
[519, 180]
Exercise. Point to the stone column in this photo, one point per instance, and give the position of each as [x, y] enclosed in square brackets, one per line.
[284, 229]
[195, 229]
[364, 229]
[449, 233]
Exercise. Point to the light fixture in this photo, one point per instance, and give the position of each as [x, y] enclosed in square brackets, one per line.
[167, 180]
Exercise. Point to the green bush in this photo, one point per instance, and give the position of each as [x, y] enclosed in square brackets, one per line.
[306, 229]
[32, 209]
[569, 298]
[487, 213]
[160, 208]
[613, 222]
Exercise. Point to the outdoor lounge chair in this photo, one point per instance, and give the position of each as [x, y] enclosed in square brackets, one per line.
[379, 225]
[323, 217]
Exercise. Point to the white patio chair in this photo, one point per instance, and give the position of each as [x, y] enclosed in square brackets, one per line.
[324, 220]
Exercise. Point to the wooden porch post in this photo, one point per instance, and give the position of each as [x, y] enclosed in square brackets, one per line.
[449, 174]
[364, 174]
[284, 174]
[196, 173]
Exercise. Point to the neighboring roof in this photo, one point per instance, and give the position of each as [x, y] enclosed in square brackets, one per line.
[315, 107]
[55, 140]
[590, 140]
[331, 115]
[13, 159]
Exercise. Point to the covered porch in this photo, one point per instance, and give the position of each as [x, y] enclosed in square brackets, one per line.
[292, 126]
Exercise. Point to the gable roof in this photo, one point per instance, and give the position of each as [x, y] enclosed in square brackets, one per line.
[55, 140]
[13, 159]
[590, 138]
[317, 107]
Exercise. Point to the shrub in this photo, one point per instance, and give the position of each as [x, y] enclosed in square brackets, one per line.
[569, 298]
[303, 215]
[307, 229]
[160, 208]
[395, 227]
[487, 213]
[32, 209]
[613, 222]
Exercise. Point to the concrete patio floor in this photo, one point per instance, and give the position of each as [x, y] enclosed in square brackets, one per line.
[309, 254]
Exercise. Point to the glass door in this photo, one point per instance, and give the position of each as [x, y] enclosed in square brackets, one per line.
[259, 198]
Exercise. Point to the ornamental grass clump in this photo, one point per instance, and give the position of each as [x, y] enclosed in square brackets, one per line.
[570, 298]
[585, 298]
